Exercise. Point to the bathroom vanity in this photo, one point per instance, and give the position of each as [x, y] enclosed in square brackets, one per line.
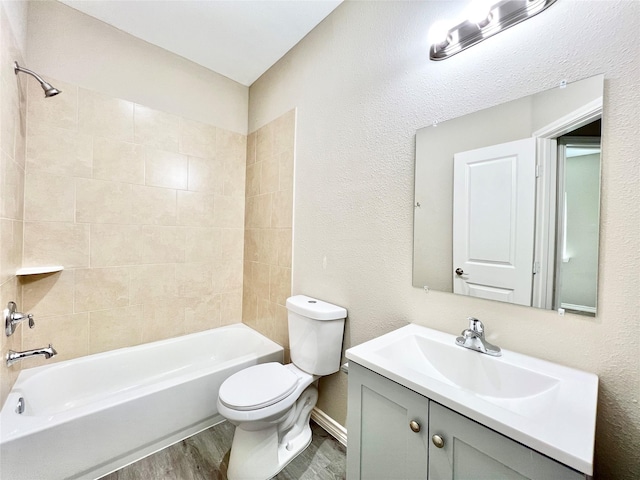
[419, 409]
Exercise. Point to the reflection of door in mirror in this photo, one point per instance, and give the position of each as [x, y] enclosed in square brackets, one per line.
[546, 117]
[493, 221]
[577, 225]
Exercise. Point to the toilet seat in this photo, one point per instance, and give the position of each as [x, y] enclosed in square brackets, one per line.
[258, 386]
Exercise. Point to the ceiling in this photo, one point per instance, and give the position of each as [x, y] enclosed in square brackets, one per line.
[240, 39]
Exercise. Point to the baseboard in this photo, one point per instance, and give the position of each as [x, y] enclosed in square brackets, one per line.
[332, 427]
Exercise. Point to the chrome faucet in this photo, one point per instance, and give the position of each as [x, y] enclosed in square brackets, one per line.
[12, 318]
[13, 357]
[473, 339]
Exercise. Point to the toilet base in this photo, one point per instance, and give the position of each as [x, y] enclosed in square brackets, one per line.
[262, 454]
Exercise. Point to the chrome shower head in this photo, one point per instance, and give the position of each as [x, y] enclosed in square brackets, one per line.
[49, 90]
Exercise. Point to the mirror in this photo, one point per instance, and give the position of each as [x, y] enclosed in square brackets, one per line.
[507, 201]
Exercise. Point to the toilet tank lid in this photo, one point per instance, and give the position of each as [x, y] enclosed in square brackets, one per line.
[314, 308]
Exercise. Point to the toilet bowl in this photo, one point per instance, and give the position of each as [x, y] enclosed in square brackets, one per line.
[270, 404]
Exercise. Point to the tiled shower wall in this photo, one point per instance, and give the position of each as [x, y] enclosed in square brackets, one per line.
[268, 227]
[144, 209]
[13, 110]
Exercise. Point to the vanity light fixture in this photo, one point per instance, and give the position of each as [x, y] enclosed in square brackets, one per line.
[483, 19]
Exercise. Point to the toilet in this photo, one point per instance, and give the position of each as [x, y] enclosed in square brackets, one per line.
[270, 404]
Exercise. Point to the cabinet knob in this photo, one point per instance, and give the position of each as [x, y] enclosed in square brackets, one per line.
[438, 441]
[415, 426]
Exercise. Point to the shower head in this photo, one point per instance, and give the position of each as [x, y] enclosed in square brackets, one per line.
[49, 90]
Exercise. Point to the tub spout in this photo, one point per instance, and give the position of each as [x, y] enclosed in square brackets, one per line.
[13, 357]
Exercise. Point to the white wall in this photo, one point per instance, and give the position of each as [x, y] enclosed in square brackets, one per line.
[363, 85]
[68, 45]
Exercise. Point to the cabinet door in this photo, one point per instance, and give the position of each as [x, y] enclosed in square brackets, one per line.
[381, 441]
[474, 452]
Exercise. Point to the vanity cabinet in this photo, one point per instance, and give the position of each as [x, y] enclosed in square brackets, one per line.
[396, 433]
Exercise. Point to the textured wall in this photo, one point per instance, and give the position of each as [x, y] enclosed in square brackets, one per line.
[73, 47]
[362, 85]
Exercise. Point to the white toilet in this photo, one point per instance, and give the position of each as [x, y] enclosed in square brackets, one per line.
[270, 404]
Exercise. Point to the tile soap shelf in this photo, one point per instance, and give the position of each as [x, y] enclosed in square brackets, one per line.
[39, 270]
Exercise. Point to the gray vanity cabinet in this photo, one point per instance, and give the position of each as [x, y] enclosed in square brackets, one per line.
[381, 442]
[471, 451]
[394, 433]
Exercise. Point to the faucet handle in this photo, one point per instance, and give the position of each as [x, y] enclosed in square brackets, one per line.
[476, 325]
[31, 322]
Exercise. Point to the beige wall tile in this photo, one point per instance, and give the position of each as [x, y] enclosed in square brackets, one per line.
[49, 198]
[194, 280]
[203, 244]
[161, 320]
[206, 175]
[231, 307]
[58, 151]
[11, 188]
[115, 328]
[101, 288]
[233, 243]
[61, 110]
[234, 178]
[281, 323]
[249, 308]
[231, 146]
[259, 281]
[115, 245]
[195, 209]
[203, 313]
[285, 239]
[279, 284]
[163, 244]
[48, 295]
[286, 161]
[227, 275]
[253, 175]
[118, 161]
[8, 292]
[56, 243]
[229, 212]
[152, 283]
[153, 205]
[8, 120]
[197, 139]
[105, 116]
[99, 201]
[156, 129]
[266, 316]
[165, 169]
[258, 214]
[67, 334]
[270, 176]
[11, 241]
[282, 210]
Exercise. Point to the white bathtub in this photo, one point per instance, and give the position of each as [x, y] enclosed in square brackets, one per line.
[87, 417]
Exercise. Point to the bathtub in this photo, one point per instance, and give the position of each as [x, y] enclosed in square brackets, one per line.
[87, 417]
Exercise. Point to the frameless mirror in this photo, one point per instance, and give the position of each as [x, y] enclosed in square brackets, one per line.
[507, 201]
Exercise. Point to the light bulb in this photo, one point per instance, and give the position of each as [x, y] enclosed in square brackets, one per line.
[479, 12]
[439, 33]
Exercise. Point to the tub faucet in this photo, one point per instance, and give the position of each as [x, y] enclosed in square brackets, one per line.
[473, 339]
[13, 357]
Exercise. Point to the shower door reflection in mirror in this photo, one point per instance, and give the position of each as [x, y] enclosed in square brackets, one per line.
[507, 201]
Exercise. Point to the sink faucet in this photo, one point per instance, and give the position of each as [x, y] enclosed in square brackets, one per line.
[13, 357]
[473, 339]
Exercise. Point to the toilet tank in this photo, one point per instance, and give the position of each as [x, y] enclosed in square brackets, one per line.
[315, 334]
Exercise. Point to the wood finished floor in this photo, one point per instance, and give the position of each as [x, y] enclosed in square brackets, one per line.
[205, 456]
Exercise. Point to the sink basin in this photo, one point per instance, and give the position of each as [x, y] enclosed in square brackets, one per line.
[546, 406]
[481, 374]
